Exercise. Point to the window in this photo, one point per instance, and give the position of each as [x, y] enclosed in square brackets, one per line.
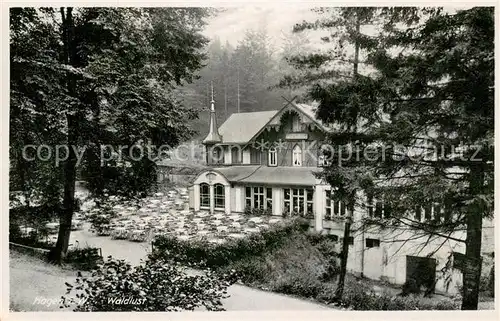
[255, 156]
[269, 198]
[372, 243]
[299, 201]
[204, 195]
[432, 212]
[218, 154]
[273, 160]
[235, 155]
[324, 156]
[248, 197]
[256, 198]
[378, 209]
[219, 196]
[297, 156]
[334, 207]
[296, 126]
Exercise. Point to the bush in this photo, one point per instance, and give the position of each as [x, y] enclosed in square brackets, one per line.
[359, 297]
[295, 267]
[86, 258]
[257, 211]
[155, 286]
[487, 280]
[200, 253]
[33, 239]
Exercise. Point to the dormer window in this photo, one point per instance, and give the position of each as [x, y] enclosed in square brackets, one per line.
[272, 157]
[297, 156]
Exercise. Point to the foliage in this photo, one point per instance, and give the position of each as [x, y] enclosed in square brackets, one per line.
[92, 78]
[201, 253]
[358, 297]
[153, 286]
[487, 281]
[257, 211]
[86, 258]
[427, 90]
[34, 216]
[296, 267]
[35, 238]
[255, 63]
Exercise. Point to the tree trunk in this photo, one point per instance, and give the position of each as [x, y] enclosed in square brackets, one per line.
[350, 206]
[58, 253]
[339, 291]
[472, 268]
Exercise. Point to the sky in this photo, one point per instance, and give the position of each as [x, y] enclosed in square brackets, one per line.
[231, 24]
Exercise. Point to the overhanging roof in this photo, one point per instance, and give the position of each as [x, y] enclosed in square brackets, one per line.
[239, 128]
[293, 176]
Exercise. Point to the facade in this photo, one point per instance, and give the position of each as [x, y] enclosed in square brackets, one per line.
[267, 160]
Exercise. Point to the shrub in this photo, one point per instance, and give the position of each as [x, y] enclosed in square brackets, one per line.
[86, 258]
[257, 211]
[295, 267]
[359, 297]
[33, 239]
[200, 253]
[487, 280]
[14, 232]
[155, 286]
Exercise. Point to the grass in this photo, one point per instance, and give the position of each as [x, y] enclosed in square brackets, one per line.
[32, 279]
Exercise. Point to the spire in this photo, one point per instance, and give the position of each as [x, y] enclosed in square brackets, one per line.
[212, 102]
[213, 136]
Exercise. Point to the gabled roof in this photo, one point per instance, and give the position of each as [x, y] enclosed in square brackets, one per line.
[241, 127]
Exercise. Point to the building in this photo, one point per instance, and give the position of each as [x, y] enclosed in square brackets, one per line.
[267, 161]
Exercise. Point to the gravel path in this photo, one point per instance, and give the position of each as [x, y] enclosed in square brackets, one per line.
[242, 298]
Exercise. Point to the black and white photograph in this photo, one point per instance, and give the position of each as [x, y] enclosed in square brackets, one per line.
[252, 157]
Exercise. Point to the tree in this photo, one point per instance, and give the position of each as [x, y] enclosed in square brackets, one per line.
[335, 65]
[31, 89]
[103, 76]
[432, 91]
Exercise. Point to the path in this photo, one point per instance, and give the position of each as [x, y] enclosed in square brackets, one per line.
[242, 298]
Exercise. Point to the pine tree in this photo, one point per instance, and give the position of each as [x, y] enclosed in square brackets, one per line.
[334, 65]
[432, 91]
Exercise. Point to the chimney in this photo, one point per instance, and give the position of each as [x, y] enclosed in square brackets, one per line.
[213, 136]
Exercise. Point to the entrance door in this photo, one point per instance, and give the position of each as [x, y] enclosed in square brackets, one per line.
[421, 271]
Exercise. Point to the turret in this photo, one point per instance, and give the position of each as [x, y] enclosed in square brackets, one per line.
[213, 136]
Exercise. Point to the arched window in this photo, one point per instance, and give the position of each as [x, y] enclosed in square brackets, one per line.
[219, 196]
[325, 155]
[297, 156]
[272, 157]
[204, 195]
[296, 125]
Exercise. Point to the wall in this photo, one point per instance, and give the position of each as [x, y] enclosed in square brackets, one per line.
[388, 261]
[310, 147]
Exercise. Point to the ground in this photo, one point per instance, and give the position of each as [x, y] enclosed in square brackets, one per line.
[31, 278]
